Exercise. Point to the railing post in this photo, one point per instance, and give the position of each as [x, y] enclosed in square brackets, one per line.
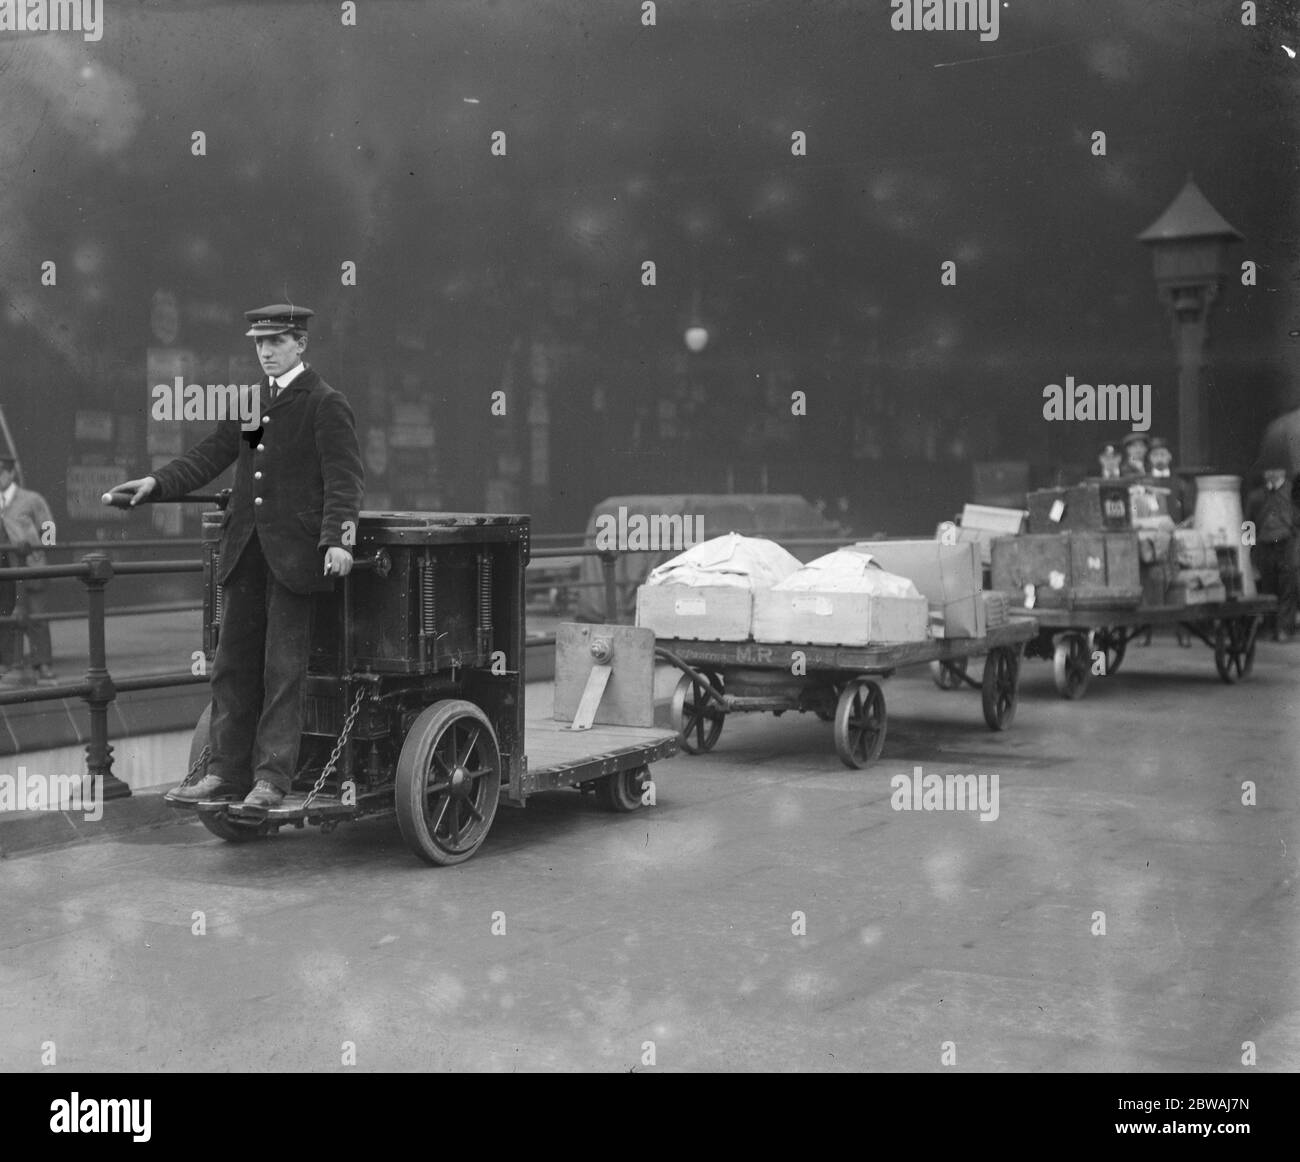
[99, 754]
[608, 561]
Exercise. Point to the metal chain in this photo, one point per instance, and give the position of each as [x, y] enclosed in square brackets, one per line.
[338, 747]
[201, 761]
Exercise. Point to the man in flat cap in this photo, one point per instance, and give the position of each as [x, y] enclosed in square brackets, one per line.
[289, 525]
[1135, 455]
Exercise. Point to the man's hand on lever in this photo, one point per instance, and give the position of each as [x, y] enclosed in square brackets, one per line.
[338, 561]
[139, 489]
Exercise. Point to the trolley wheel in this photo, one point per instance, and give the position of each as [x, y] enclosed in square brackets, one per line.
[448, 782]
[696, 716]
[1113, 642]
[622, 790]
[1234, 648]
[1001, 687]
[218, 822]
[949, 675]
[860, 723]
[1071, 665]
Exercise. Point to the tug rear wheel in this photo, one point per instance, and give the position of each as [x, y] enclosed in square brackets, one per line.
[448, 782]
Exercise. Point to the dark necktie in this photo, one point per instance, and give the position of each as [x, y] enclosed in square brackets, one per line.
[274, 392]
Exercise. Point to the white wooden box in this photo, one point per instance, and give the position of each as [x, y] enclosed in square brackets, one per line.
[948, 576]
[820, 617]
[701, 613]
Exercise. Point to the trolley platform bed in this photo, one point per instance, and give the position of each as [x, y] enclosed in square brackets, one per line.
[557, 757]
[837, 683]
[1070, 635]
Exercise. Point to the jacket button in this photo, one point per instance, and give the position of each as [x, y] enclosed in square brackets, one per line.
[257, 500]
[257, 476]
[261, 447]
[266, 419]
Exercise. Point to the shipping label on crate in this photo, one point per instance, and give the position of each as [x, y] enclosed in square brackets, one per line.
[807, 603]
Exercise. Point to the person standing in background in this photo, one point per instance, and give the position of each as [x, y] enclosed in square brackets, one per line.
[1276, 520]
[1161, 460]
[1109, 459]
[1135, 452]
[25, 517]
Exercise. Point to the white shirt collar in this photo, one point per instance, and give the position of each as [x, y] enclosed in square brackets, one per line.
[8, 494]
[289, 376]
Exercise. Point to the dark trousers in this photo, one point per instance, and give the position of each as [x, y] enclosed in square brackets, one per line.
[25, 601]
[1277, 575]
[259, 675]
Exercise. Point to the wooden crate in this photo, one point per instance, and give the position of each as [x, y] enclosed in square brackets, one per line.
[820, 617]
[698, 613]
[1096, 505]
[1074, 568]
[950, 577]
[1182, 594]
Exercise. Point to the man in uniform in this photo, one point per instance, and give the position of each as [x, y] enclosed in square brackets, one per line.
[289, 525]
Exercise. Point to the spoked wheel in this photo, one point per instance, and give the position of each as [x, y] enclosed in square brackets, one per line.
[860, 723]
[697, 717]
[1001, 687]
[1071, 665]
[949, 675]
[218, 822]
[448, 782]
[622, 790]
[1234, 647]
[1113, 642]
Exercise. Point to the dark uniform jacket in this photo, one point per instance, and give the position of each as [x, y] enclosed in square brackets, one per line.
[1274, 513]
[297, 481]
